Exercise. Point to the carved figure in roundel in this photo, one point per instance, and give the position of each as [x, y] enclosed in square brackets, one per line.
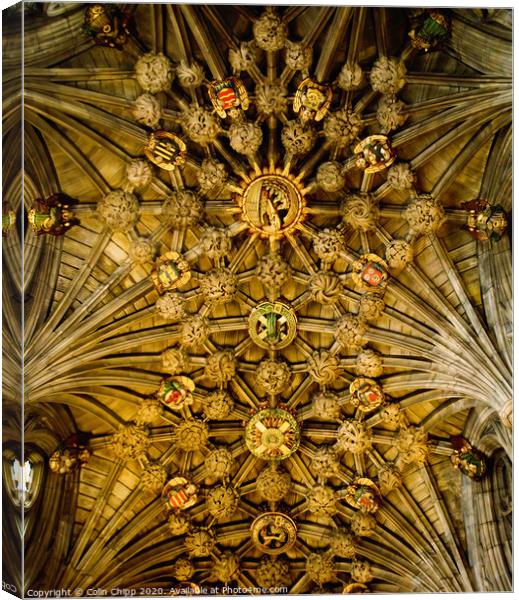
[374, 153]
[176, 392]
[485, 221]
[272, 325]
[312, 100]
[363, 494]
[370, 273]
[170, 271]
[179, 494]
[467, 459]
[272, 434]
[272, 205]
[273, 532]
[366, 394]
[165, 149]
[229, 97]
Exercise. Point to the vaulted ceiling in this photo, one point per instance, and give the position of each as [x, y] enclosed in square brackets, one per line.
[432, 343]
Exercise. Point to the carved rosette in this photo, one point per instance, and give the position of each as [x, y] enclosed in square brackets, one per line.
[349, 330]
[271, 98]
[141, 250]
[342, 127]
[369, 363]
[270, 32]
[119, 210]
[324, 367]
[401, 177]
[412, 445]
[220, 367]
[194, 331]
[244, 57]
[424, 214]
[361, 571]
[219, 463]
[387, 75]
[200, 126]
[325, 462]
[153, 477]
[272, 375]
[399, 254]
[154, 73]
[179, 523]
[353, 436]
[138, 175]
[328, 245]
[326, 405]
[360, 211]
[363, 524]
[297, 56]
[297, 139]
[190, 75]
[389, 478]
[226, 567]
[171, 306]
[216, 243]
[219, 286]
[320, 567]
[182, 209]
[272, 572]
[351, 77]
[200, 542]
[391, 113]
[273, 483]
[222, 502]
[245, 137]
[218, 405]
[191, 435]
[325, 287]
[342, 543]
[150, 409]
[330, 176]
[321, 501]
[183, 569]
[147, 110]
[212, 175]
[174, 360]
[371, 306]
[130, 442]
[273, 271]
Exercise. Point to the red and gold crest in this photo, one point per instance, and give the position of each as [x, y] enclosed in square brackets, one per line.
[370, 273]
[179, 494]
[228, 94]
[366, 393]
